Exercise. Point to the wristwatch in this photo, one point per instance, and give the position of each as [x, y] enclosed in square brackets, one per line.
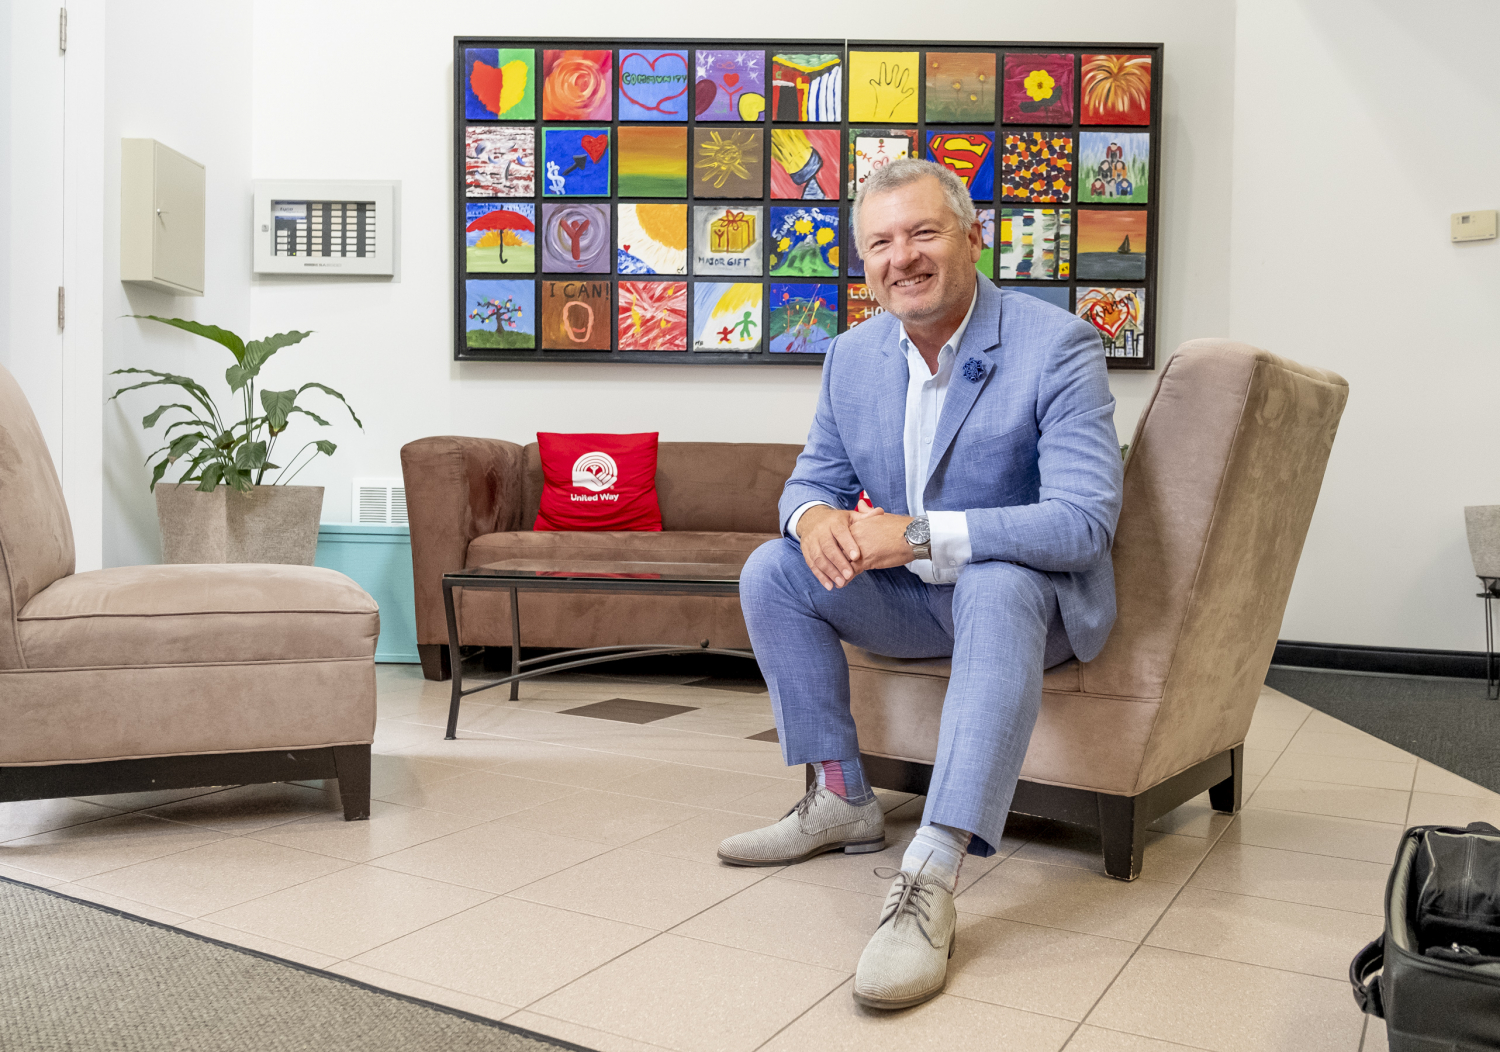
[919, 536]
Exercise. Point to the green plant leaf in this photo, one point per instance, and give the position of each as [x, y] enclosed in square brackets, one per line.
[183, 444]
[325, 447]
[193, 387]
[249, 456]
[210, 478]
[309, 412]
[341, 398]
[278, 404]
[256, 354]
[160, 470]
[228, 339]
[150, 419]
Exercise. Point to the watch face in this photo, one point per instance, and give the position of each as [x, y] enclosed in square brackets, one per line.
[919, 531]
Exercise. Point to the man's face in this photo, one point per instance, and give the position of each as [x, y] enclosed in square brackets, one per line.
[919, 260]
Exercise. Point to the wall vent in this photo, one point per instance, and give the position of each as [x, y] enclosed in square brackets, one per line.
[380, 501]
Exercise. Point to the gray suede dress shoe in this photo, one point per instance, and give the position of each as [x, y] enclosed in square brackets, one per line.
[822, 821]
[906, 960]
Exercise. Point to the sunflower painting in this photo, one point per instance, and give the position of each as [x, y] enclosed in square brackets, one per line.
[728, 163]
[1116, 89]
[1038, 89]
[804, 242]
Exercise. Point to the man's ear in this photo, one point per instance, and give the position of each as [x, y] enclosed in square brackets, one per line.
[976, 240]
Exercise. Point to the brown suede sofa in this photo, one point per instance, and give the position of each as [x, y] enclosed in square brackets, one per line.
[472, 501]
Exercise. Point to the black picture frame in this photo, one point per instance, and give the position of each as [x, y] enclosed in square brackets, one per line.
[764, 356]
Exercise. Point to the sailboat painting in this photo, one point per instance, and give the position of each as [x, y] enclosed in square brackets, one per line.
[1111, 244]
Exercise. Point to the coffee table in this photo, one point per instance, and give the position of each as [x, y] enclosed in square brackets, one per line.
[534, 575]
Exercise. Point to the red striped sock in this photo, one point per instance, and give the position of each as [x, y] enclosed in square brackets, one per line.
[846, 778]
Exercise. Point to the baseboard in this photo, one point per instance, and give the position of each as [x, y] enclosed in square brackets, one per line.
[1404, 661]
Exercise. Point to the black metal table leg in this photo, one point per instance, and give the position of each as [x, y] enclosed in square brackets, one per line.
[1491, 673]
[455, 661]
[515, 642]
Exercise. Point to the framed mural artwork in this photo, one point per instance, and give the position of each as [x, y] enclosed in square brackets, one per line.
[653, 200]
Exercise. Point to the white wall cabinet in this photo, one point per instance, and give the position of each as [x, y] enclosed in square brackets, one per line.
[162, 195]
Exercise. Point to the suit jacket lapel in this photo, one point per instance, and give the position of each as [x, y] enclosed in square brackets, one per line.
[971, 371]
[890, 419]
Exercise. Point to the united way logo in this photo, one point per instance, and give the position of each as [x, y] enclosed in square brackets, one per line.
[595, 471]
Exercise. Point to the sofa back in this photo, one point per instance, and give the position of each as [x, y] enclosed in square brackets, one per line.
[719, 487]
[36, 536]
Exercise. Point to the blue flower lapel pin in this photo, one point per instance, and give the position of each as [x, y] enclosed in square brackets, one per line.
[973, 370]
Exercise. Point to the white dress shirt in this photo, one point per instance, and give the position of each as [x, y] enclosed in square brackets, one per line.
[925, 393]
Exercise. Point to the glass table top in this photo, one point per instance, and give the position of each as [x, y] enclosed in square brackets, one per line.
[592, 570]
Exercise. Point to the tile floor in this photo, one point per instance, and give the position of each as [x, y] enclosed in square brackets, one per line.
[558, 871]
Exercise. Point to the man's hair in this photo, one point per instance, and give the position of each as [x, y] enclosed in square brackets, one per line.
[908, 170]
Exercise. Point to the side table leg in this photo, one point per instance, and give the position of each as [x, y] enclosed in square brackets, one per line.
[1491, 679]
[455, 662]
[515, 642]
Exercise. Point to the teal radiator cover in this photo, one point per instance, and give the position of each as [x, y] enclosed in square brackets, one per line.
[378, 559]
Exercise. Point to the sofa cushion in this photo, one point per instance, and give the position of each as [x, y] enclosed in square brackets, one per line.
[598, 482]
[195, 614]
[559, 549]
[1063, 677]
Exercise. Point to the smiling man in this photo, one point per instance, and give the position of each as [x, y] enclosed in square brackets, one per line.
[980, 424]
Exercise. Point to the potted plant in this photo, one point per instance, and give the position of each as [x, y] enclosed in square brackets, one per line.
[233, 514]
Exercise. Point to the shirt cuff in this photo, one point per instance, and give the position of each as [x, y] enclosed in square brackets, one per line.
[950, 539]
[791, 524]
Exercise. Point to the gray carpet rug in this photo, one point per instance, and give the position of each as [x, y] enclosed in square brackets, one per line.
[75, 977]
[1445, 721]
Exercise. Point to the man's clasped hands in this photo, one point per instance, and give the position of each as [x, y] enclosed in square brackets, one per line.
[838, 545]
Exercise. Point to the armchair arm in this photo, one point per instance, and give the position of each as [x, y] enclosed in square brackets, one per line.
[456, 489]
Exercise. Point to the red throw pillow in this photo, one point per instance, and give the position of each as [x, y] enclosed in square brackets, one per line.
[598, 482]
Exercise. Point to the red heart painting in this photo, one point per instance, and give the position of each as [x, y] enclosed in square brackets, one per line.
[731, 79]
[642, 64]
[595, 145]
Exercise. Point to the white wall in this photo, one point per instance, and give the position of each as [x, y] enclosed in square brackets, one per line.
[1359, 126]
[179, 72]
[377, 105]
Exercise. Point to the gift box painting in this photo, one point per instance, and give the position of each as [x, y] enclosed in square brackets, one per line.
[726, 316]
[499, 314]
[804, 242]
[961, 87]
[1112, 244]
[575, 315]
[883, 86]
[728, 240]
[499, 84]
[654, 85]
[968, 155]
[807, 87]
[804, 318]
[499, 162]
[499, 238]
[728, 163]
[870, 149]
[1037, 166]
[1114, 167]
[576, 162]
[1116, 89]
[804, 164]
[860, 305]
[1038, 89]
[576, 85]
[652, 316]
[1120, 317]
[575, 238]
[1035, 243]
[653, 161]
[730, 86]
[652, 239]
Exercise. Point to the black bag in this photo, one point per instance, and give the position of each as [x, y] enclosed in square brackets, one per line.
[1440, 988]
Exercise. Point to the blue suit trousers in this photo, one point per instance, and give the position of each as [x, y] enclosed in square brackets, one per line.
[1000, 625]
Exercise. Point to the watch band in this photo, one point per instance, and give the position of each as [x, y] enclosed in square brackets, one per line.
[919, 536]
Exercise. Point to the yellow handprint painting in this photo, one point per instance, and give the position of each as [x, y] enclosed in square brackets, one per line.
[883, 86]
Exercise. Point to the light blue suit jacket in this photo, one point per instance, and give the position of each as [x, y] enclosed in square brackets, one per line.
[1025, 445]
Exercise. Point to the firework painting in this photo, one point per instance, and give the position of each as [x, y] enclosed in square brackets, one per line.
[575, 315]
[728, 240]
[1120, 317]
[653, 161]
[1114, 167]
[500, 315]
[861, 305]
[652, 316]
[1038, 89]
[726, 316]
[805, 164]
[731, 86]
[968, 155]
[575, 239]
[883, 86]
[576, 162]
[1116, 89]
[804, 242]
[986, 262]
[872, 149]
[500, 84]
[576, 85]
[804, 318]
[960, 87]
[499, 238]
[652, 239]
[500, 162]
[1035, 243]
[653, 85]
[1112, 244]
[1037, 166]
[728, 163]
[807, 88]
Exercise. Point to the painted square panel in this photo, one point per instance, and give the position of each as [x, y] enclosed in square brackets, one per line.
[653, 161]
[729, 240]
[499, 162]
[968, 155]
[499, 314]
[805, 164]
[1037, 166]
[804, 242]
[1114, 167]
[576, 162]
[652, 239]
[961, 87]
[654, 85]
[576, 315]
[728, 162]
[576, 85]
[575, 238]
[1111, 244]
[883, 86]
[1120, 317]
[730, 85]
[804, 318]
[727, 315]
[1116, 89]
[499, 84]
[1057, 295]
[859, 305]
[652, 316]
[986, 262]
[1035, 243]
[807, 87]
[499, 238]
[872, 148]
[1038, 88]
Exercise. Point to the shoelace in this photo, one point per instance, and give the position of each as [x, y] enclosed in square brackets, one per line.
[913, 901]
[802, 806]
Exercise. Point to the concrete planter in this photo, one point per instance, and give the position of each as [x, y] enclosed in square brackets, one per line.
[270, 524]
[1483, 523]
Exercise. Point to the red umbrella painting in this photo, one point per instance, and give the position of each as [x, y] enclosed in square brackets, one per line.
[499, 220]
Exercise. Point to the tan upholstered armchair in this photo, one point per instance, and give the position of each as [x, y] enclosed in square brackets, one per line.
[168, 677]
[1223, 474]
